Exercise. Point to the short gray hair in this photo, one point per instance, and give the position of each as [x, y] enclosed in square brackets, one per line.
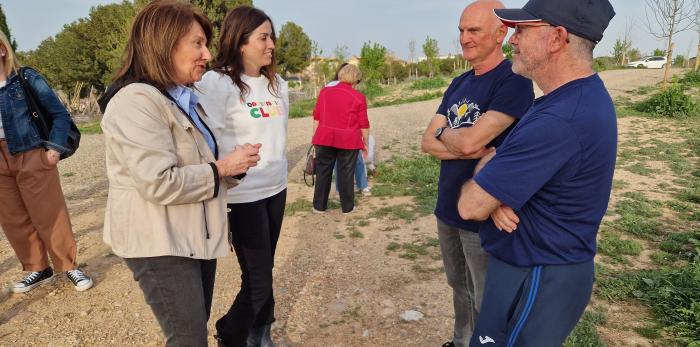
[583, 48]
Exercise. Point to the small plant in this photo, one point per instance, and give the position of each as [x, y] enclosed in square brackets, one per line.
[670, 103]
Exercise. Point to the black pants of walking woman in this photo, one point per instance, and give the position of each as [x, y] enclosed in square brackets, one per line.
[255, 228]
[325, 160]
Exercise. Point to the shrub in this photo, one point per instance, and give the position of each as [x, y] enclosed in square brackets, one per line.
[670, 103]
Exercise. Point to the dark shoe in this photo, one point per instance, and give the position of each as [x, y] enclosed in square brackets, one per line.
[80, 280]
[32, 280]
[260, 337]
[448, 344]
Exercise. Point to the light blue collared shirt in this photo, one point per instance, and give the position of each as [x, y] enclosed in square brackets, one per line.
[187, 100]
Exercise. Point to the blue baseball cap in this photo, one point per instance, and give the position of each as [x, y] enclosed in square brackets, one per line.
[584, 18]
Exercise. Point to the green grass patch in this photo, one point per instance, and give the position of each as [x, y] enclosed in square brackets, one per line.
[614, 247]
[428, 83]
[302, 108]
[413, 251]
[638, 216]
[401, 211]
[671, 293]
[300, 204]
[422, 97]
[413, 176]
[683, 245]
[640, 168]
[585, 334]
[89, 128]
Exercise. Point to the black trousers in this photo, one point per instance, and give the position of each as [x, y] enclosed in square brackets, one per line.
[325, 160]
[255, 228]
[179, 291]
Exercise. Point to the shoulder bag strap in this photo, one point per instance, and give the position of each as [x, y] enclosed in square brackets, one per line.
[38, 117]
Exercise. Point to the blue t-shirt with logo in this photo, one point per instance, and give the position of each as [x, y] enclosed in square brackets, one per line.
[555, 170]
[467, 98]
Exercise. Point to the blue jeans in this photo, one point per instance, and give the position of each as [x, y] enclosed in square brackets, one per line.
[360, 173]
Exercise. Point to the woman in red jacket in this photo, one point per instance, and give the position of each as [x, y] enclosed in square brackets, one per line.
[341, 129]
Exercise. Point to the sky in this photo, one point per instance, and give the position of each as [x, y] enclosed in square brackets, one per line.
[333, 23]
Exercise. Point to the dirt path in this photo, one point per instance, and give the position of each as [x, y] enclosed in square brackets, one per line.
[331, 289]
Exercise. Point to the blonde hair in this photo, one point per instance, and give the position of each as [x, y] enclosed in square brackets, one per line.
[350, 74]
[155, 32]
[10, 60]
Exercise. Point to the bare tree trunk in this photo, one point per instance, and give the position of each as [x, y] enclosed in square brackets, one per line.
[697, 58]
[669, 55]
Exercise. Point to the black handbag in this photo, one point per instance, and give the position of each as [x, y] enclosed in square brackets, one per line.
[42, 121]
[310, 166]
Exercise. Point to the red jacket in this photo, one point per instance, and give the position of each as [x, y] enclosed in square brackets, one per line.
[341, 112]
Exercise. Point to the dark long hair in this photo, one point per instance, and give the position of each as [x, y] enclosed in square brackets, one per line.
[236, 29]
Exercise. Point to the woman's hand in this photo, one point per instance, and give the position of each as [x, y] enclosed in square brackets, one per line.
[52, 157]
[238, 161]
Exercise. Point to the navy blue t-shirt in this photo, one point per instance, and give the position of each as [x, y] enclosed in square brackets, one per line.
[466, 99]
[555, 170]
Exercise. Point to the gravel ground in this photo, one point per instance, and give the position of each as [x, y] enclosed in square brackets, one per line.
[331, 289]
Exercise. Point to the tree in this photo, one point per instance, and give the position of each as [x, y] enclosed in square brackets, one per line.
[5, 29]
[679, 60]
[87, 51]
[670, 17]
[341, 53]
[431, 51]
[696, 22]
[372, 62]
[634, 54]
[412, 53]
[658, 52]
[293, 48]
[216, 11]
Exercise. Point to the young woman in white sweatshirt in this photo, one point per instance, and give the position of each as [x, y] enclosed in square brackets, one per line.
[249, 103]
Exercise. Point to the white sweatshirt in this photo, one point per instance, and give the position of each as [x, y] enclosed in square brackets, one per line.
[258, 117]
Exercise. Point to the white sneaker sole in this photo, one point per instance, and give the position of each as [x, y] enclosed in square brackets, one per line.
[84, 287]
[29, 288]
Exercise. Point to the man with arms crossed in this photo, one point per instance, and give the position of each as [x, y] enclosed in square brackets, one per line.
[547, 187]
[476, 112]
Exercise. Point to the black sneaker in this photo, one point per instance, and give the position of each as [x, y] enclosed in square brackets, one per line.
[32, 280]
[80, 280]
[448, 344]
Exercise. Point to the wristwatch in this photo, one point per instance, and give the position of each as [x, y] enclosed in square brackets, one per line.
[438, 132]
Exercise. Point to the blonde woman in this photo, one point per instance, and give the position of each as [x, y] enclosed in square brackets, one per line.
[341, 130]
[34, 215]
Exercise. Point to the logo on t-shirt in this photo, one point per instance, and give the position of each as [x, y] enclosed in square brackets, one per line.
[463, 113]
[265, 109]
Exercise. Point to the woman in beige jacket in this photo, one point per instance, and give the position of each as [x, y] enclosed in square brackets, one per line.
[166, 210]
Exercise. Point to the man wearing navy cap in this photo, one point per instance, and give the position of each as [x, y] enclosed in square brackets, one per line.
[547, 187]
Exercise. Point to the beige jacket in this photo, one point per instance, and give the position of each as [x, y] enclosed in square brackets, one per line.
[163, 195]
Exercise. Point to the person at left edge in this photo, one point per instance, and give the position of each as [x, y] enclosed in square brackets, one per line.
[166, 209]
[249, 102]
[33, 211]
